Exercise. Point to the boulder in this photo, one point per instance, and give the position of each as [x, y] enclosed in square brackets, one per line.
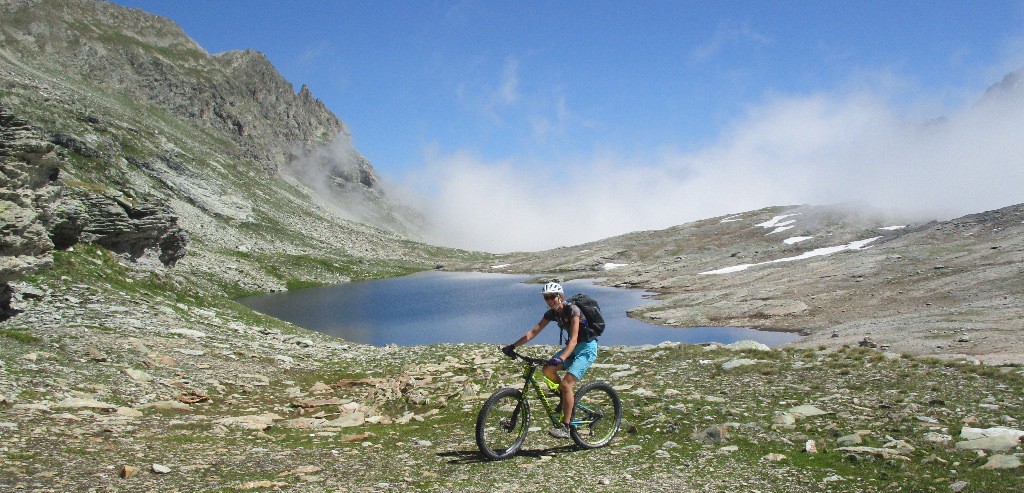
[1001, 461]
[783, 418]
[848, 440]
[997, 439]
[747, 344]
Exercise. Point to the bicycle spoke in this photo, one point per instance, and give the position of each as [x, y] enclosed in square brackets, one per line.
[596, 416]
[502, 424]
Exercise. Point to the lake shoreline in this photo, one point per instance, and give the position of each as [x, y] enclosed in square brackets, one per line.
[425, 299]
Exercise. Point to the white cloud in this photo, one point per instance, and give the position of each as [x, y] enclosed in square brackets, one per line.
[509, 92]
[724, 37]
[315, 52]
[815, 149]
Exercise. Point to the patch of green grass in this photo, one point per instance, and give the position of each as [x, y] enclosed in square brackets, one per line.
[300, 271]
[297, 284]
[88, 263]
[21, 455]
[88, 186]
[20, 335]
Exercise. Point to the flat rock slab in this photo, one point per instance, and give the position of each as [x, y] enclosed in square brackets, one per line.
[167, 406]
[250, 422]
[1002, 462]
[1004, 443]
[740, 346]
[807, 411]
[876, 451]
[968, 433]
[998, 439]
[76, 403]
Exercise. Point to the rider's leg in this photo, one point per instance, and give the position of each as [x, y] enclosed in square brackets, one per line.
[568, 398]
[582, 357]
[552, 373]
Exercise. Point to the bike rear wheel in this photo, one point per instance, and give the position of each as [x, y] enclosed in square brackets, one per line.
[596, 416]
[502, 424]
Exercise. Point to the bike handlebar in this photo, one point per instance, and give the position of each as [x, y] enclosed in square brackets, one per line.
[528, 359]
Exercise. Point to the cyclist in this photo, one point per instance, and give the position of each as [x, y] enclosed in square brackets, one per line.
[575, 358]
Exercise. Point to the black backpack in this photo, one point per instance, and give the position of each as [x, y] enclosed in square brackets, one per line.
[592, 312]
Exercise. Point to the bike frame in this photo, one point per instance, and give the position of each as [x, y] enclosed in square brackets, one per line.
[531, 380]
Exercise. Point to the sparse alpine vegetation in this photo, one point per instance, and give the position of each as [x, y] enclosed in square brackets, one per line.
[164, 390]
[144, 186]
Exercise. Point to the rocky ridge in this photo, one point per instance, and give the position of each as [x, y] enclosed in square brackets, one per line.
[947, 289]
[139, 55]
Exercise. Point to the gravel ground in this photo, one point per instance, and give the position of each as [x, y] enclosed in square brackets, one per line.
[129, 389]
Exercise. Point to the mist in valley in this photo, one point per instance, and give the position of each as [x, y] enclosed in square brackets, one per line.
[858, 147]
[813, 149]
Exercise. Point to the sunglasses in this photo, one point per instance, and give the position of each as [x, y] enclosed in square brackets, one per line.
[550, 296]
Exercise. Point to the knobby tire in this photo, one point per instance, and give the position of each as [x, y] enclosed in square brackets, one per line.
[599, 410]
[502, 424]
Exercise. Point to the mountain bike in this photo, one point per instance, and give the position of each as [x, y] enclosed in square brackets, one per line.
[504, 419]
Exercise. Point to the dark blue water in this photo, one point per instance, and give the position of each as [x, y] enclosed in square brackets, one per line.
[454, 307]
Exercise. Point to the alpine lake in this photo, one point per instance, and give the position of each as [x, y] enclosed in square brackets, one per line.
[462, 307]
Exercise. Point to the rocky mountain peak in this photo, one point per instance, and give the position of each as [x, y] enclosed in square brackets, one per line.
[1011, 85]
[141, 55]
[84, 23]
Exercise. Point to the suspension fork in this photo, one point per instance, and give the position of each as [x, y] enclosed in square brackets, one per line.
[527, 378]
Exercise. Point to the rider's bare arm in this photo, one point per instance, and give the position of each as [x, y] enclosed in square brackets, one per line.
[530, 334]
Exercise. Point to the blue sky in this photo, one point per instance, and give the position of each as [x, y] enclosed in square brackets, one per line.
[505, 108]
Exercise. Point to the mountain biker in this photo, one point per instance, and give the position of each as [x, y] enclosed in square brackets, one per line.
[575, 358]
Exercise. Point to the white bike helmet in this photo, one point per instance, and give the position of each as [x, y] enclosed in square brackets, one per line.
[552, 288]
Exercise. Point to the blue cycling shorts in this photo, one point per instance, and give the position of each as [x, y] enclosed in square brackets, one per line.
[581, 358]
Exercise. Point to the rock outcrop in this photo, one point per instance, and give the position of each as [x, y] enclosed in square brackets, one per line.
[148, 57]
[28, 175]
[120, 225]
[39, 213]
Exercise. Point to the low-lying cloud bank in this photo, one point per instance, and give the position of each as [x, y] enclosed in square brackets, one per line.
[818, 149]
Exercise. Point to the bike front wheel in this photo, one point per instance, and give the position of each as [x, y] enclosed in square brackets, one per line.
[596, 416]
[502, 424]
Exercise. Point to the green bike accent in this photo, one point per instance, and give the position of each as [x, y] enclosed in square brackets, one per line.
[503, 421]
[556, 417]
